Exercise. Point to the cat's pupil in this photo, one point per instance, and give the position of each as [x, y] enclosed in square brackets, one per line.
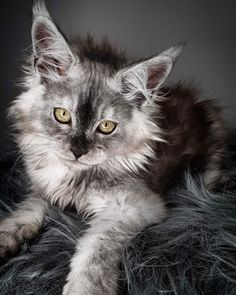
[63, 113]
[107, 124]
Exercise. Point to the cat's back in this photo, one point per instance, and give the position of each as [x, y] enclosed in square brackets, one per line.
[195, 137]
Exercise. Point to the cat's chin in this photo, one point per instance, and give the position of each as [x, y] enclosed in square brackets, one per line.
[79, 165]
[85, 162]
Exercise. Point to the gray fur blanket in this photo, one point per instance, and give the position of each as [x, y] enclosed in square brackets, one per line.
[192, 252]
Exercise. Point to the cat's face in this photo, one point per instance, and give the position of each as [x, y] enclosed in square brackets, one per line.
[88, 120]
[81, 111]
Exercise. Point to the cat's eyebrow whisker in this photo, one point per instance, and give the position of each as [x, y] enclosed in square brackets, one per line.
[30, 47]
[168, 91]
[13, 152]
[16, 162]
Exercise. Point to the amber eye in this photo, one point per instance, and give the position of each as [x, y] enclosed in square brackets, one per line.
[62, 115]
[107, 127]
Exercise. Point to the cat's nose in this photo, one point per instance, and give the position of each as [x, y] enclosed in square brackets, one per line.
[79, 146]
[77, 155]
[78, 152]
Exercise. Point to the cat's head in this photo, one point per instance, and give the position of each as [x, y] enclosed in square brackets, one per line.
[84, 105]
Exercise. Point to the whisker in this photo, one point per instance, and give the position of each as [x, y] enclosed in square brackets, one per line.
[16, 161]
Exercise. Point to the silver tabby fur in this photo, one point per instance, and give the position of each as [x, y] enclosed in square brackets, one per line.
[104, 183]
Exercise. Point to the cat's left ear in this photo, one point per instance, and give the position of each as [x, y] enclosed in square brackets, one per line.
[142, 80]
[52, 54]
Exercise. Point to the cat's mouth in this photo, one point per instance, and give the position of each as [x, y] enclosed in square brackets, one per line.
[76, 162]
[82, 163]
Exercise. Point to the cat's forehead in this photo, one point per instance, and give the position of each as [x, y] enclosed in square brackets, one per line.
[91, 86]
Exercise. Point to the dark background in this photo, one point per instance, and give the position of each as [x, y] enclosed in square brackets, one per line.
[143, 28]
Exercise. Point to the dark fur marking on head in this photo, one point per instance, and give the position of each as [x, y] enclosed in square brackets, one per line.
[104, 53]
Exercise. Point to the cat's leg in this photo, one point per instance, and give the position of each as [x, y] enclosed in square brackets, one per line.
[23, 223]
[94, 269]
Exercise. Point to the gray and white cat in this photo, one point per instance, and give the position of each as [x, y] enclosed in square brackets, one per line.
[88, 130]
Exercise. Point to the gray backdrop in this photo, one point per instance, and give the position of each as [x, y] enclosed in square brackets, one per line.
[143, 28]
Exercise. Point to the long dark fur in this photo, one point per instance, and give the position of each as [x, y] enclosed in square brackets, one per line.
[192, 252]
[195, 134]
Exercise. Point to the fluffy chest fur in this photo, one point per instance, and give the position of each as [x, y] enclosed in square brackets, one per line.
[95, 191]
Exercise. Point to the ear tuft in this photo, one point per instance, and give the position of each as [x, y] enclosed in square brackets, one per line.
[39, 9]
[173, 52]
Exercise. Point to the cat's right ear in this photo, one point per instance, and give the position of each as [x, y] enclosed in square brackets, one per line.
[52, 54]
[141, 81]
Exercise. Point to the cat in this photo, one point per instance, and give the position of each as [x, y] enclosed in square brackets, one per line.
[103, 134]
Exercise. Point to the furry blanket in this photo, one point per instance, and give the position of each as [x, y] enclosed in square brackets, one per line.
[192, 252]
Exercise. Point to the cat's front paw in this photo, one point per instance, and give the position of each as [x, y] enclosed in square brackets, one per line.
[82, 285]
[8, 244]
[71, 288]
[11, 240]
[78, 286]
